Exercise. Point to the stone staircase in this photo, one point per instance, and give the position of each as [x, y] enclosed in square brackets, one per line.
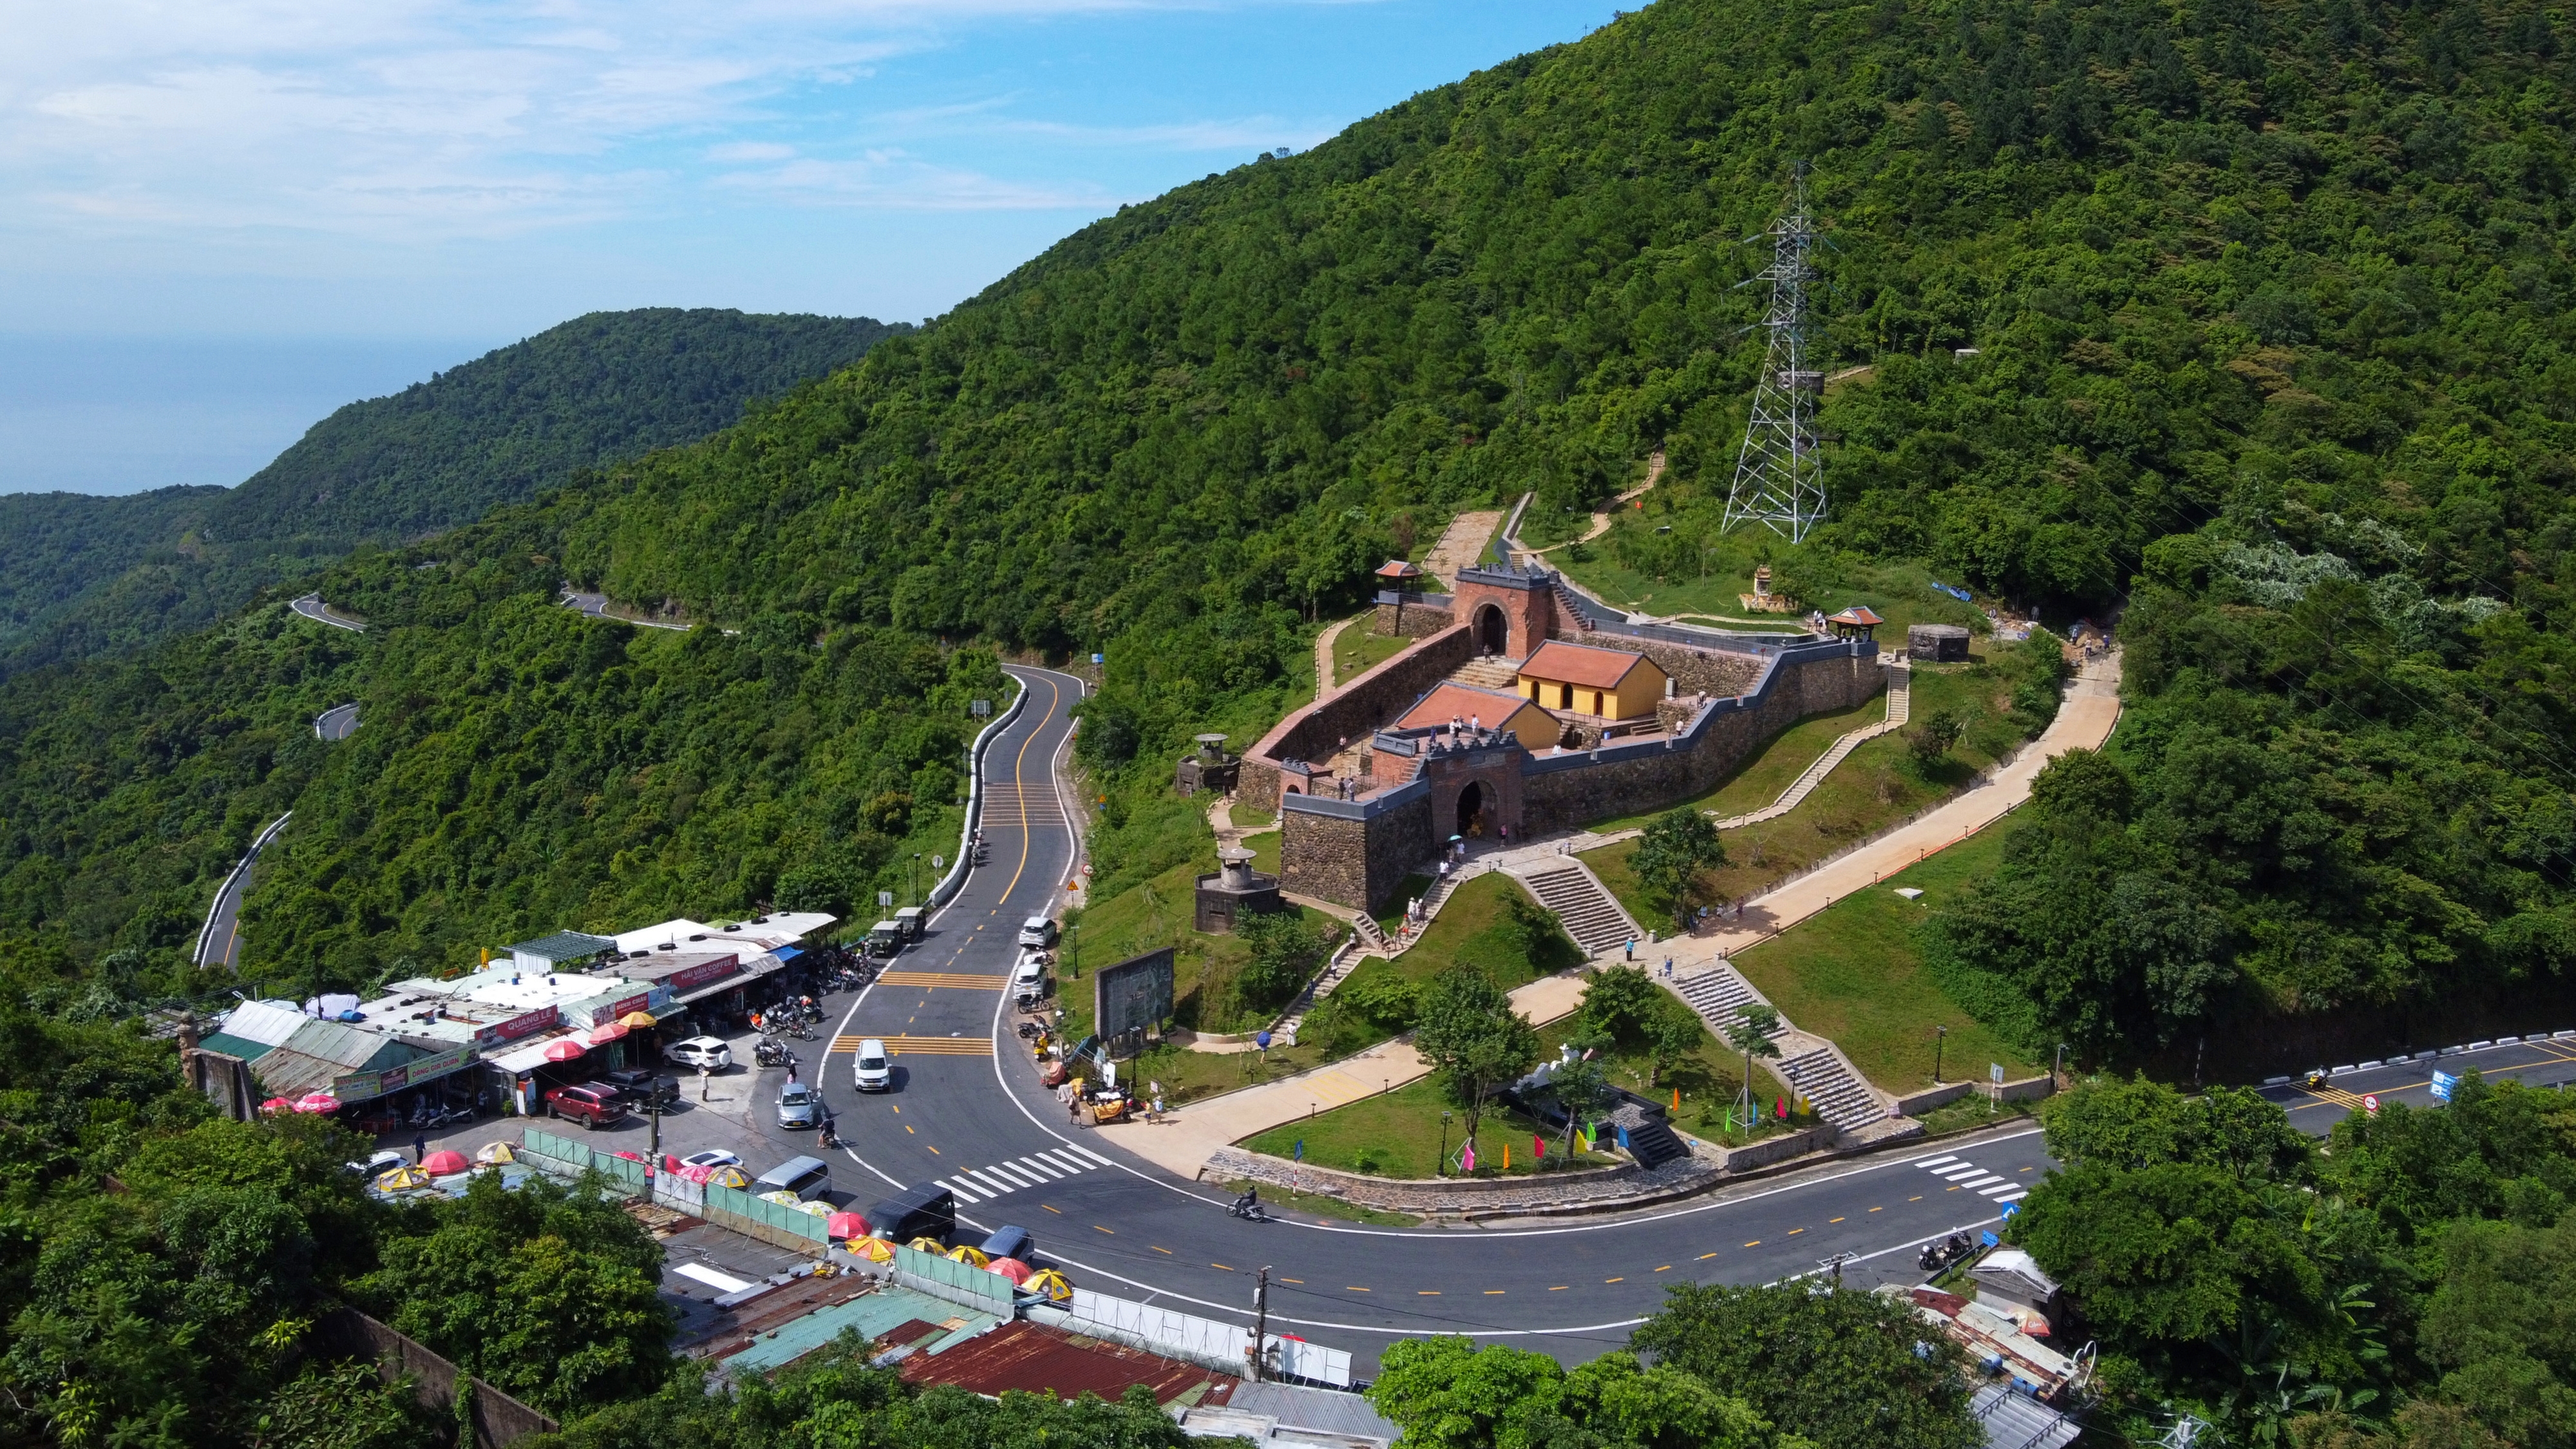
[1590, 914]
[1899, 709]
[1344, 962]
[1649, 1139]
[1819, 1074]
[1489, 671]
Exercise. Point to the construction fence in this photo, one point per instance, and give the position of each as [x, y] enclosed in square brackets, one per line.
[729, 1207]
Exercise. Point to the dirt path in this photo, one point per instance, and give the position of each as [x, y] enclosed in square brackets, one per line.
[1601, 521]
[1324, 686]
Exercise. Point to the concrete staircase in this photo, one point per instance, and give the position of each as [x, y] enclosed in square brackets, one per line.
[1335, 972]
[1899, 709]
[1590, 914]
[1489, 672]
[1818, 1074]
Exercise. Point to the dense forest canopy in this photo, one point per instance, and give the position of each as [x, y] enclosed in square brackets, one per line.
[83, 575]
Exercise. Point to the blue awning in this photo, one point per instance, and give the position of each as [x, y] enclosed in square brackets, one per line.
[786, 953]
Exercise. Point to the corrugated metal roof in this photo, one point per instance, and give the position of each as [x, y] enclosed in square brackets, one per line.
[235, 1046]
[871, 1316]
[1296, 1407]
[264, 1022]
[355, 1048]
[1048, 1360]
[562, 946]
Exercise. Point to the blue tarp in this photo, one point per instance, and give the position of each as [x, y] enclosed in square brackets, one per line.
[786, 953]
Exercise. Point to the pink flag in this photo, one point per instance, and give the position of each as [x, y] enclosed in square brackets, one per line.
[1538, 1148]
[1467, 1158]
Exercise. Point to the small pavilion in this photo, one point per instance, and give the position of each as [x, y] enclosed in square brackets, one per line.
[1856, 622]
[1399, 575]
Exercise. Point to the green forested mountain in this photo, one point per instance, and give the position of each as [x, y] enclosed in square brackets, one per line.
[82, 575]
[2265, 302]
[2268, 306]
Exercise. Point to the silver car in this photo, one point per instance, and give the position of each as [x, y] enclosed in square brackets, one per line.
[798, 1106]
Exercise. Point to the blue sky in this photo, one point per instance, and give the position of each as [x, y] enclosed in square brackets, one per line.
[259, 209]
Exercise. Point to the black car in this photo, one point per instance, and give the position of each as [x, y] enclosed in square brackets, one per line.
[641, 1087]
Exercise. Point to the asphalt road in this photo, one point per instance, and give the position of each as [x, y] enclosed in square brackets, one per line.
[312, 607]
[220, 944]
[336, 723]
[976, 1119]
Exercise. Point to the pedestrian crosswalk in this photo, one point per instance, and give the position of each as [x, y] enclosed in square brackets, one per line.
[947, 1046]
[1000, 1179]
[1960, 1172]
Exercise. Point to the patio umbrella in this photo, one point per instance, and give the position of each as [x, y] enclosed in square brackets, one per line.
[637, 1020]
[317, 1102]
[1049, 1284]
[875, 1250]
[932, 1246]
[1011, 1268]
[815, 1207]
[493, 1153]
[783, 1198]
[565, 1050]
[632, 1156]
[440, 1164]
[972, 1257]
[733, 1177]
[603, 1035]
[401, 1179]
[847, 1225]
[277, 1104]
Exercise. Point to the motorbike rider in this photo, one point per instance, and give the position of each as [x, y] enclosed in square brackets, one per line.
[1248, 1204]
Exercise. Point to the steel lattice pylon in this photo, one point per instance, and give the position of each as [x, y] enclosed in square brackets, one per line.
[1780, 476]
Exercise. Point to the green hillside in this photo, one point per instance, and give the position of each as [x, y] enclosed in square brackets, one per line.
[2266, 319]
[83, 575]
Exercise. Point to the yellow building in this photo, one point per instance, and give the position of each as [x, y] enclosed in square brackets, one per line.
[1580, 679]
[1492, 709]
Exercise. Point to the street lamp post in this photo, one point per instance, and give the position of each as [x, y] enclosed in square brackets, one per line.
[1941, 1038]
[1444, 1144]
[1073, 948]
[913, 879]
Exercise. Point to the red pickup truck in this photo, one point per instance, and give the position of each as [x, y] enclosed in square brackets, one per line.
[591, 1106]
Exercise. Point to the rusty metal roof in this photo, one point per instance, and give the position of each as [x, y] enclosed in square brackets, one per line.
[1047, 1360]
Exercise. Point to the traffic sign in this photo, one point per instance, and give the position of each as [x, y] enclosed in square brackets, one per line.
[1989, 1239]
[2370, 1103]
[980, 708]
[885, 898]
[2011, 1210]
[1095, 658]
[2443, 1082]
[1995, 1073]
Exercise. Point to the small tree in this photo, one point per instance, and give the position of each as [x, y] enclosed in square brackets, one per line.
[1472, 1037]
[1286, 950]
[1670, 1036]
[1581, 1086]
[1678, 846]
[1750, 1033]
[1930, 741]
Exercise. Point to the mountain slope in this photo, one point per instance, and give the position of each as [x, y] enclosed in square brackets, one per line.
[80, 575]
[2266, 302]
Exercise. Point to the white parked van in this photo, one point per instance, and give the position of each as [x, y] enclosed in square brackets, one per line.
[1038, 931]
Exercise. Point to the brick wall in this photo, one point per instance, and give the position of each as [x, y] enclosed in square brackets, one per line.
[499, 1420]
[1374, 699]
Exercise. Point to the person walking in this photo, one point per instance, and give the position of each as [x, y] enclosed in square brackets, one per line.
[419, 1148]
[1631, 949]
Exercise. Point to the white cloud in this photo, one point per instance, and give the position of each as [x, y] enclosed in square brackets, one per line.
[410, 120]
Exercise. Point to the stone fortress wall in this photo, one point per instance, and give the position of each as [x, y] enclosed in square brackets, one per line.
[1357, 853]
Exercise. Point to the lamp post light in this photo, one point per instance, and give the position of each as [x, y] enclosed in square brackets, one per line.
[1444, 1144]
[913, 878]
[1940, 1039]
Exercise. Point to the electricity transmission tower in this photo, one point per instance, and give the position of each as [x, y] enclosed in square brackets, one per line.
[1779, 475]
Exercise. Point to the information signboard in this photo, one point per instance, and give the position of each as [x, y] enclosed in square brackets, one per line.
[1134, 996]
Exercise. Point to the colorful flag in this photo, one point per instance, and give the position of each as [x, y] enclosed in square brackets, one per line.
[1780, 1108]
[1538, 1148]
[1467, 1158]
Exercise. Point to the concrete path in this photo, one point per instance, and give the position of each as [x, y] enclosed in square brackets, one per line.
[1325, 688]
[2084, 721]
[1601, 521]
[1182, 1141]
[1460, 546]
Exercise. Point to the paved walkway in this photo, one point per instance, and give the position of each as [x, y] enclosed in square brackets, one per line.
[1325, 688]
[1460, 546]
[1601, 521]
[1181, 1142]
[2084, 721]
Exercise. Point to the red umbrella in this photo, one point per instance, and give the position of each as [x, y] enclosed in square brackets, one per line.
[317, 1102]
[565, 1050]
[277, 1104]
[845, 1226]
[632, 1156]
[1011, 1268]
[441, 1163]
[602, 1036]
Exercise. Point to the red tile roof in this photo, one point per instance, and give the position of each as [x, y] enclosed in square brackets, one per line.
[1459, 701]
[1856, 614]
[1048, 1360]
[1580, 664]
[1396, 568]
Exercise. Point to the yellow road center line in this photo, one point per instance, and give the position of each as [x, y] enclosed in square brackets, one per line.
[1054, 695]
[1493, 1292]
[1426, 1292]
[1097, 1228]
[1614, 1280]
[1559, 1288]
[1665, 1269]
[1300, 1282]
[1354, 1290]
[1833, 1220]
[1059, 1212]
[1226, 1266]
[1757, 1242]
[1166, 1252]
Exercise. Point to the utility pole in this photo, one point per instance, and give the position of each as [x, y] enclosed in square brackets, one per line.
[1780, 474]
[1260, 1319]
[1940, 1039]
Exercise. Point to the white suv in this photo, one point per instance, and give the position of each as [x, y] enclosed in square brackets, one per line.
[874, 1075]
[1037, 931]
[707, 1052]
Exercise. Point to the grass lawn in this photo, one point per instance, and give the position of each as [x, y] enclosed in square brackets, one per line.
[1855, 974]
[1708, 1080]
[1358, 651]
[1876, 787]
[1774, 767]
[1475, 927]
[1148, 916]
[1282, 1203]
[1900, 593]
[1397, 1134]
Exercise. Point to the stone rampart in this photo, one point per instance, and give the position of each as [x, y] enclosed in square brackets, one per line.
[1414, 616]
[1376, 698]
[1693, 671]
[1561, 792]
[1357, 856]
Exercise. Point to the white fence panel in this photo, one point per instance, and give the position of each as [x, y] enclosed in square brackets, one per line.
[1312, 1361]
[1205, 1340]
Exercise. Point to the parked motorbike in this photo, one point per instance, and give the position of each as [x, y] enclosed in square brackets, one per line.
[1941, 1256]
[769, 1053]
